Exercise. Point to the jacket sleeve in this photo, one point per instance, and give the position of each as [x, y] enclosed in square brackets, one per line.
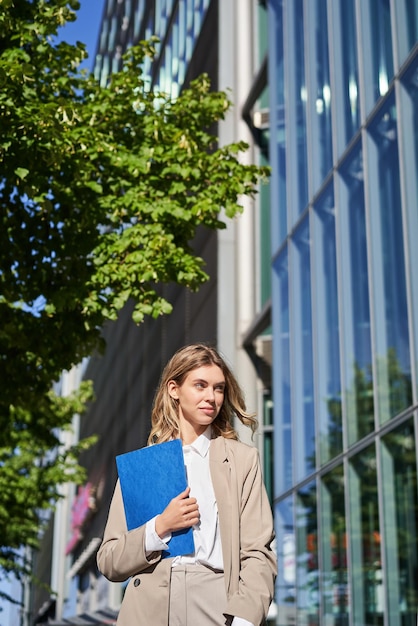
[122, 552]
[258, 563]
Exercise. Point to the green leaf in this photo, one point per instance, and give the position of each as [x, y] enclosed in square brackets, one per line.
[21, 172]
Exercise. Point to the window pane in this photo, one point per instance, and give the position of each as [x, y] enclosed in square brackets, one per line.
[335, 585]
[281, 373]
[355, 299]
[300, 81]
[408, 96]
[302, 365]
[346, 79]
[277, 125]
[377, 51]
[319, 91]
[296, 91]
[381, 34]
[286, 561]
[327, 353]
[366, 575]
[389, 281]
[399, 468]
[407, 17]
[307, 557]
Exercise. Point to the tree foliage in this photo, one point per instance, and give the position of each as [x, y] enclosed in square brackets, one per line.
[101, 192]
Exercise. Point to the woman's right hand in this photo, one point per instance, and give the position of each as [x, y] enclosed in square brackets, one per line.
[181, 512]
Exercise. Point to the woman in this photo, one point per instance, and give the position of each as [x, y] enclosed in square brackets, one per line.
[229, 580]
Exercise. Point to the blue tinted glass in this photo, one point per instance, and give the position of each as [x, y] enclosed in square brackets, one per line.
[400, 502]
[321, 98]
[355, 299]
[407, 17]
[327, 356]
[286, 558]
[410, 107]
[349, 69]
[377, 60]
[137, 22]
[302, 368]
[281, 371]
[277, 126]
[366, 562]
[298, 80]
[307, 568]
[408, 98]
[335, 584]
[381, 46]
[391, 313]
[184, 28]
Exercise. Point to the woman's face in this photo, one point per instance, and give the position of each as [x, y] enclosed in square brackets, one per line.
[200, 398]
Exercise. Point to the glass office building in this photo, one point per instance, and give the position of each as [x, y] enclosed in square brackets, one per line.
[343, 79]
[178, 25]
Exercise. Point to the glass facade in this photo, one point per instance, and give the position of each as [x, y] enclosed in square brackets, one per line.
[365, 539]
[343, 85]
[180, 36]
[177, 26]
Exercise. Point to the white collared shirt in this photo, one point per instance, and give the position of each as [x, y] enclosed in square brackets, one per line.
[206, 534]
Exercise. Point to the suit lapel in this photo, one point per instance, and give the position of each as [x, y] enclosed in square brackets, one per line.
[220, 469]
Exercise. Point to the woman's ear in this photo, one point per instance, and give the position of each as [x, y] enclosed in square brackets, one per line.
[173, 389]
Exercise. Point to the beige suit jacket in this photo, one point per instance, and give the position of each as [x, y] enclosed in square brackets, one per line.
[246, 532]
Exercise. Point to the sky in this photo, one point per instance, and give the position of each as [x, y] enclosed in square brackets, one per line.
[84, 29]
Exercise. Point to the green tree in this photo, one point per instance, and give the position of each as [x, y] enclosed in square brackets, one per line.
[101, 192]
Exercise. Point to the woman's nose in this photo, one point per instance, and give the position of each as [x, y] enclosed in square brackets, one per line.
[210, 394]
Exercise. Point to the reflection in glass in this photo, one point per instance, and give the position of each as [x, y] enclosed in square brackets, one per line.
[182, 29]
[327, 354]
[381, 47]
[286, 561]
[298, 81]
[321, 91]
[355, 299]
[389, 279]
[277, 124]
[409, 107]
[307, 572]
[400, 498]
[335, 585]
[302, 363]
[377, 49]
[281, 371]
[407, 18]
[349, 69]
[408, 99]
[366, 574]
[179, 31]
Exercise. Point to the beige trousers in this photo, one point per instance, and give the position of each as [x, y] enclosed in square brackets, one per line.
[197, 596]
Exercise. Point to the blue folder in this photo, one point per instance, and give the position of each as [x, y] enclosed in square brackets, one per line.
[150, 478]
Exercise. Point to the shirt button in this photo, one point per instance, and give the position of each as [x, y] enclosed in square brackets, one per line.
[137, 582]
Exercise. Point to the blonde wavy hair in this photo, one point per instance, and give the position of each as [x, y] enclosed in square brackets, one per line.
[165, 412]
